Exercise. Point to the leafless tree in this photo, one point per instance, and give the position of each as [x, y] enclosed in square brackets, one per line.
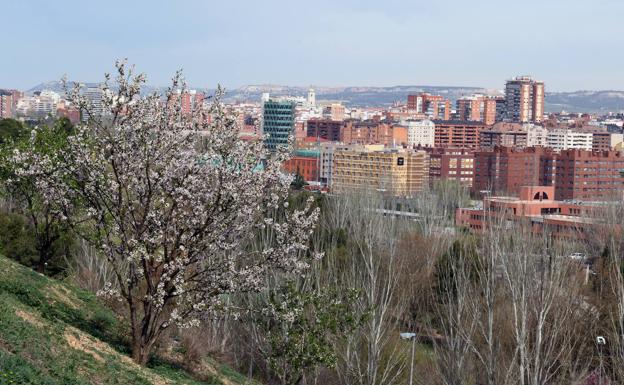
[371, 264]
[542, 286]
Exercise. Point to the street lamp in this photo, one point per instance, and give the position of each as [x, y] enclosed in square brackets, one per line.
[600, 341]
[410, 336]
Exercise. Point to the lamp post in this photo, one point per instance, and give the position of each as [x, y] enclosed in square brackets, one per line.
[600, 341]
[410, 336]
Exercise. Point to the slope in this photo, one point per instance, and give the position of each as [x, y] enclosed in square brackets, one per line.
[52, 333]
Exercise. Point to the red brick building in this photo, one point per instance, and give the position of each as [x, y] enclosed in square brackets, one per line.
[71, 113]
[451, 164]
[460, 134]
[536, 207]
[433, 106]
[307, 167]
[325, 129]
[478, 108]
[187, 100]
[414, 102]
[575, 174]
[605, 141]
[503, 170]
[589, 175]
[372, 132]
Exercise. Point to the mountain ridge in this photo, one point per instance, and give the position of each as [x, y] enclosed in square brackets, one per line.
[594, 101]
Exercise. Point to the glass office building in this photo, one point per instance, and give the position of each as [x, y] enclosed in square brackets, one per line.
[278, 122]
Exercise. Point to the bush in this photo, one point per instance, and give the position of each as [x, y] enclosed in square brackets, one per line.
[17, 240]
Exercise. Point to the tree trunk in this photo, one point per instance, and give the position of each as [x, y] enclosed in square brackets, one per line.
[141, 345]
[142, 348]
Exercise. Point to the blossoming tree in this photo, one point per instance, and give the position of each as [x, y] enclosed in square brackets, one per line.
[173, 200]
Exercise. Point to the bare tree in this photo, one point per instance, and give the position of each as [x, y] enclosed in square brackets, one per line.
[455, 273]
[371, 264]
[543, 293]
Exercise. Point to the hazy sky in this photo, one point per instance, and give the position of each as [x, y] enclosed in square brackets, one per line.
[570, 44]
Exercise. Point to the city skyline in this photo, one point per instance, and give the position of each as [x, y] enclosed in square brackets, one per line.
[445, 43]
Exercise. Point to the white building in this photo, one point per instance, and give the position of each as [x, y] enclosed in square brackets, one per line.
[420, 133]
[94, 96]
[536, 135]
[42, 104]
[564, 139]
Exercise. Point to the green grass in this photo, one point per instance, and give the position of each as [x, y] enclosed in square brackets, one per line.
[52, 333]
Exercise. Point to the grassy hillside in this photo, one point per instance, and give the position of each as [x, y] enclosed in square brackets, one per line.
[52, 333]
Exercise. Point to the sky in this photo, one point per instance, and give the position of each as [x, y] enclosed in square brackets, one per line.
[569, 44]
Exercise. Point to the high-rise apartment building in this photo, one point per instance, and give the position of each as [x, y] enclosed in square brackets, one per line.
[524, 100]
[327, 151]
[433, 106]
[478, 108]
[94, 95]
[278, 122]
[414, 103]
[6, 105]
[187, 100]
[396, 172]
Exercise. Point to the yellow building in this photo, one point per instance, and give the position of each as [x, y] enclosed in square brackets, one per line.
[399, 172]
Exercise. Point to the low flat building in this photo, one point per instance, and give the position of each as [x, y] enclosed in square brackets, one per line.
[536, 207]
[304, 163]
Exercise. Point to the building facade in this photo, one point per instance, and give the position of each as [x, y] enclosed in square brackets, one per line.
[503, 170]
[420, 133]
[278, 122]
[524, 100]
[306, 166]
[324, 128]
[564, 139]
[479, 108]
[373, 132]
[606, 141]
[536, 207]
[395, 172]
[460, 134]
[451, 164]
[7, 109]
[589, 175]
[432, 106]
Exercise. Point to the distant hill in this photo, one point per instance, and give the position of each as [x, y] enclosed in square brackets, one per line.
[585, 101]
[577, 101]
[354, 96]
[56, 86]
[54, 334]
